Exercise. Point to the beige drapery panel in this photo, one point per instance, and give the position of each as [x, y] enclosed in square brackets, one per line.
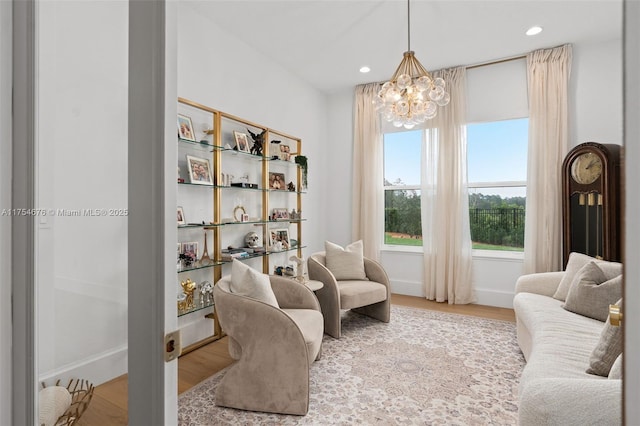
[445, 199]
[548, 80]
[368, 196]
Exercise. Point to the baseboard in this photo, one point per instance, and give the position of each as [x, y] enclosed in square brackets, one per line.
[407, 288]
[97, 370]
[499, 299]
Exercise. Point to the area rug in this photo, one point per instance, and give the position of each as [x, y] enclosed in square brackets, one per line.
[424, 367]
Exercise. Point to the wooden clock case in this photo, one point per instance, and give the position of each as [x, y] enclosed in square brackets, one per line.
[591, 212]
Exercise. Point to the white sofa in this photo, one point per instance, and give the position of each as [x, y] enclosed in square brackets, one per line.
[555, 388]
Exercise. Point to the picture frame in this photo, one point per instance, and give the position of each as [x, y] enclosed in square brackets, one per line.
[242, 143]
[279, 239]
[199, 170]
[280, 214]
[185, 128]
[190, 249]
[277, 181]
[181, 218]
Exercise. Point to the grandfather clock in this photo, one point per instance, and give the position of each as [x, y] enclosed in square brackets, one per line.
[591, 201]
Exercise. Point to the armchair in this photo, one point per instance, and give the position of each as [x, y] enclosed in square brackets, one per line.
[273, 346]
[371, 298]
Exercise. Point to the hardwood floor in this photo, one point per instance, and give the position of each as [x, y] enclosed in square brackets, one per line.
[109, 404]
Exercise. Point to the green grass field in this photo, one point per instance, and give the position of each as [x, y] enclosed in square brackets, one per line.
[388, 239]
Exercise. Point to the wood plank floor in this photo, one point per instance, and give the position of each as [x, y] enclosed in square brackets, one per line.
[109, 404]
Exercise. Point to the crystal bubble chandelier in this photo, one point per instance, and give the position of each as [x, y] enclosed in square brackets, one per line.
[412, 95]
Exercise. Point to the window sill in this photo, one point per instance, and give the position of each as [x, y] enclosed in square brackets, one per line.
[512, 256]
[515, 256]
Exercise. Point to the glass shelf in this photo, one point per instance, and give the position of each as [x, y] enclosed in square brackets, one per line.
[287, 220]
[212, 226]
[287, 191]
[239, 187]
[195, 268]
[199, 144]
[194, 225]
[265, 253]
[196, 308]
[196, 184]
[242, 154]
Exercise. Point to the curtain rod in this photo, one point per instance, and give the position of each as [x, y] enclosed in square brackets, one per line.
[482, 64]
[497, 61]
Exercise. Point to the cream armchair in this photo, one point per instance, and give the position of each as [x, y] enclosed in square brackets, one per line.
[371, 298]
[274, 347]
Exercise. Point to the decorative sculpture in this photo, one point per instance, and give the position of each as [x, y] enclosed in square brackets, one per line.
[188, 287]
[251, 239]
[258, 142]
[299, 268]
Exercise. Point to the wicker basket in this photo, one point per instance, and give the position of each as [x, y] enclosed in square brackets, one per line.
[81, 393]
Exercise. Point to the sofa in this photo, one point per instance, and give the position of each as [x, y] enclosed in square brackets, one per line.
[559, 347]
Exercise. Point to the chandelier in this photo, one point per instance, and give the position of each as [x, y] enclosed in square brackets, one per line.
[412, 96]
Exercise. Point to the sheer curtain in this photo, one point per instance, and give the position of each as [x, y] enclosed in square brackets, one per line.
[368, 197]
[445, 200]
[548, 80]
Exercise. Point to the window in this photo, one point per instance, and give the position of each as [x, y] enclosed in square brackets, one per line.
[402, 222]
[497, 175]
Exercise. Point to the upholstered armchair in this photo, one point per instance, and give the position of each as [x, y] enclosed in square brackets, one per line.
[369, 297]
[274, 347]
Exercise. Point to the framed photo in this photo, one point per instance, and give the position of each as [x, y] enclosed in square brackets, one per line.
[242, 143]
[280, 214]
[190, 249]
[181, 219]
[279, 239]
[199, 170]
[185, 128]
[276, 181]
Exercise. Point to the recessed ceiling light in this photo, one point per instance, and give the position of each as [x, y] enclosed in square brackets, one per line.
[534, 30]
[365, 70]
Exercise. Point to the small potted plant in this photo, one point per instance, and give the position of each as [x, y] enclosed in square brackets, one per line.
[301, 160]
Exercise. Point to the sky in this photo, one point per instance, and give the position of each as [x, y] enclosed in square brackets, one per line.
[496, 151]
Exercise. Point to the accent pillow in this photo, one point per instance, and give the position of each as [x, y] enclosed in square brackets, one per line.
[246, 281]
[346, 263]
[575, 263]
[616, 369]
[591, 294]
[607, 350]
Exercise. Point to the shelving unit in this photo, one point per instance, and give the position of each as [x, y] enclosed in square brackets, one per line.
[211, 209]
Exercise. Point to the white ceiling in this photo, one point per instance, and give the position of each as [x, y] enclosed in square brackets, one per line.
[326, 42]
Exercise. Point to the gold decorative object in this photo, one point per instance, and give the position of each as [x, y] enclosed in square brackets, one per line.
[412, 96]
[188, 287]
[81, 393]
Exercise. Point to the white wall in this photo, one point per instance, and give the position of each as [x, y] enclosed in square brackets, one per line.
[493, 278]
[595, 108]
[218, 70]
[82, 164]
[5, 203]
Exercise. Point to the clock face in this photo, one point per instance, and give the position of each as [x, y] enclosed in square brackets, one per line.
[586, 168]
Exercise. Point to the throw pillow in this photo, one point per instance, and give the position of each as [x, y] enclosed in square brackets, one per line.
[616, 369]
[246, 281]
[575, 263]
[346, 263]
[609, 348]
[591, 294]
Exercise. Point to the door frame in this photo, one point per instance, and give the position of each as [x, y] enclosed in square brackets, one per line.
[152, 384]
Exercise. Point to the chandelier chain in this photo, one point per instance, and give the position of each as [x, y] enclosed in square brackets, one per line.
[409, 25]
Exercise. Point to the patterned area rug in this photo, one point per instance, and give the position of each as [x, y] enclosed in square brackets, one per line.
[424, 367]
